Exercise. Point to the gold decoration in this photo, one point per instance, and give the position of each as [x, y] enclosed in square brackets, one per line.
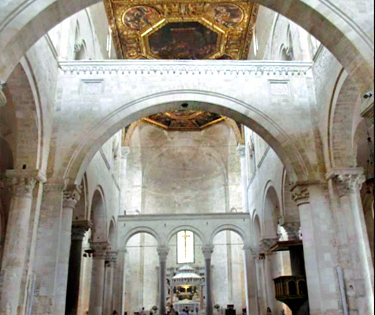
[150, 29]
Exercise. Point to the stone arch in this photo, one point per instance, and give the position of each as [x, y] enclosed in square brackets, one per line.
[257, 231]
[98, 216]
[232, 228]
[138, 230]
[345, 100]
[289, 209]
[112, 234]
[180, 228]
[271, 211]
[342, 35]
[23, 131]
[214, 102]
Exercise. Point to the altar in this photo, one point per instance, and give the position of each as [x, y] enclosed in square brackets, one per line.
[193, 307]
[187, 291]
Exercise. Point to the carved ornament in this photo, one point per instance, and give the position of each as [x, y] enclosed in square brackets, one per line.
[22, 183]
[150, 29]
[71, 197]
[99, 249]
[300, 195]
[347, 180]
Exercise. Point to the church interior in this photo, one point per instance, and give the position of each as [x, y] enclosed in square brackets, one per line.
[201, 157]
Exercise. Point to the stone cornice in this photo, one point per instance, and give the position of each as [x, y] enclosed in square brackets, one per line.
[212, 67]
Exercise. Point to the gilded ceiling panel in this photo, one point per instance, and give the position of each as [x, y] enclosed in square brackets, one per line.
[180, 29]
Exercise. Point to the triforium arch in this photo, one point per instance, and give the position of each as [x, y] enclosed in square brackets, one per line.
[196, 231]
[98, 216]
[243, 113]
[271, 211]
[141, 229]
[343, 36]
[244, 234]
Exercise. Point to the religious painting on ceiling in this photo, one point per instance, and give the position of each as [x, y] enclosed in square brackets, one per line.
[166, 29]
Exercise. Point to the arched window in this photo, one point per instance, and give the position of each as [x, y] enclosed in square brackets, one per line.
[185, 247]
[292, 288]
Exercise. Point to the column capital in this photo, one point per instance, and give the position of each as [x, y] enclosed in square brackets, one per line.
[71, 197]
[291, 229]
[163, 253]
[125, 150]
[111, 256]
[207, 251]
[300, 194]
[266, 243]
[100, 249]
[241, 150]
[79, 229]
[22, 182]
[347, 179]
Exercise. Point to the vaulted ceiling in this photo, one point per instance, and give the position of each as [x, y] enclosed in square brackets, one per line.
[179, 29]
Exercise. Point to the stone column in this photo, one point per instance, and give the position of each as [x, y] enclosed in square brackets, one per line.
[319, 239]
[207, 252]
[110, 264]
[15, 246]
[97, 277]
[78, 232]
[70, 199]
[163, 254]
[124, 156]
[354, 249]
[119, 282]
[251, 283]
[242, 153]
[262, 293]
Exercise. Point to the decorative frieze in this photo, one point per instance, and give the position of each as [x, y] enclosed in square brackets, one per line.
[207, 67]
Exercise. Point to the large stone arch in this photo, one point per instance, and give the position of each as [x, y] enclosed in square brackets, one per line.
[345, 100]
[171, 100]
[21, 119]
[348, 38]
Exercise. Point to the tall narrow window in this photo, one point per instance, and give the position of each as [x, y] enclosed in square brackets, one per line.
[185, 247]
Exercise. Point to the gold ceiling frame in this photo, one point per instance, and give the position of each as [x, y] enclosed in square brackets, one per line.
[235, 40]
[220, 45]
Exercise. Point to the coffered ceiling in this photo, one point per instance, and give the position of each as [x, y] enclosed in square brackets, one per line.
[180, 29]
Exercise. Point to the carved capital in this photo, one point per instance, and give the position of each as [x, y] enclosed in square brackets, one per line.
[125, 152]
[71, 197]
[163, 253]
[241, 150]
[292, 229]
[300, 194]
[99, 249]
[22, 183]
[347, 180]
[207, 251]
[79, 229]
[111, 256]
[266, 243]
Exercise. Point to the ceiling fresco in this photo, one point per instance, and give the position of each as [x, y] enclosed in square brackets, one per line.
[184, 120]
[180, 29]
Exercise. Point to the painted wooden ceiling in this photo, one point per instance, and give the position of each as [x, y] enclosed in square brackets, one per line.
[180, 29]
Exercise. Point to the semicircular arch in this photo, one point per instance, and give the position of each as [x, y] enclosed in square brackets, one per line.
[245, 114]
[232, 228]
[140, 229]
[184, 227]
